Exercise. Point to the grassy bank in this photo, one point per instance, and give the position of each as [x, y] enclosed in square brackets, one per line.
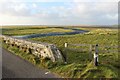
[76, 70]
[31, 30]
[109, 63]
[79, 65]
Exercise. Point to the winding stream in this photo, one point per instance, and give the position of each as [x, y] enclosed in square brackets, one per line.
[75, 31]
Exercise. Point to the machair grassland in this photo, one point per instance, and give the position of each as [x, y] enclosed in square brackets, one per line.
[79, 65]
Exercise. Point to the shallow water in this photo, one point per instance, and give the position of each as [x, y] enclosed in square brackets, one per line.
[75, 31]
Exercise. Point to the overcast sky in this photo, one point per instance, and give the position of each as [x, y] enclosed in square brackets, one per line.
[58, 12]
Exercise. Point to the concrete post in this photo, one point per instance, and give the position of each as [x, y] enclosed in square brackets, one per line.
[96, 55]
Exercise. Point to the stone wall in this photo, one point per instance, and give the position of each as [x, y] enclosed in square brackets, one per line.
[41, 50]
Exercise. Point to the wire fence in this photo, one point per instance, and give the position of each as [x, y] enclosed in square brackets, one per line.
[85, 52]
[91, 47]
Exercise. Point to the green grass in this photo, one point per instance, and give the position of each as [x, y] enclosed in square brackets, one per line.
[95, 36]
[32, 30]
[79, 65]
[102, 39]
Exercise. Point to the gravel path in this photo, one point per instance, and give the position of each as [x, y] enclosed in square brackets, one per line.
[15, 67]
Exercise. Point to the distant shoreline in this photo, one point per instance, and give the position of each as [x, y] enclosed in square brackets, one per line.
[57, 26]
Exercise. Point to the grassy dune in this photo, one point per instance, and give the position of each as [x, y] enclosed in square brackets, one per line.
[79, 65]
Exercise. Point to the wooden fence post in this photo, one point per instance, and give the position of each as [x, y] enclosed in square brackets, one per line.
[65, 55]
[96, 55]
[66, 45]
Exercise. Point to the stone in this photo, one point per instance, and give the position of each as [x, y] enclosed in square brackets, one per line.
[41, 50]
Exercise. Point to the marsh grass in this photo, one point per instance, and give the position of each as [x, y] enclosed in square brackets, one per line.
[79, 65]
[108, 61]
[32, 30]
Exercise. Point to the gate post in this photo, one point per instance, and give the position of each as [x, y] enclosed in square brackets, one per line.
[96, 55]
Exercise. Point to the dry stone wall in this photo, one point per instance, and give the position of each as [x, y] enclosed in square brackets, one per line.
[41, 50]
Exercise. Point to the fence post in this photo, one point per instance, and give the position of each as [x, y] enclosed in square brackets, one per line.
[66, 45]
[65, 55]
[96, 55]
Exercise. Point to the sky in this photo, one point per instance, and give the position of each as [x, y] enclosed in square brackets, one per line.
[58, 12]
